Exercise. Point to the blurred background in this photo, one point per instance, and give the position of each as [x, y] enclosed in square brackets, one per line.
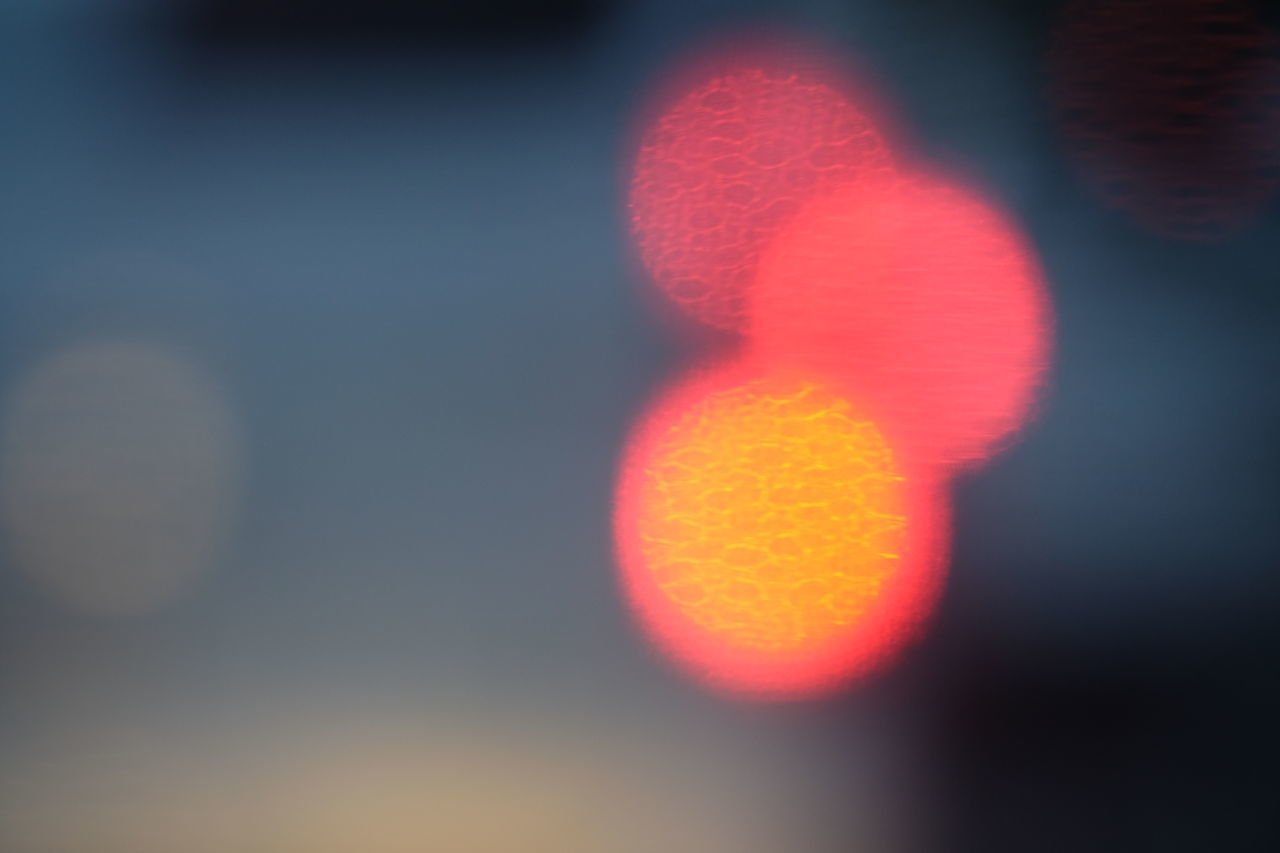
[320, 333]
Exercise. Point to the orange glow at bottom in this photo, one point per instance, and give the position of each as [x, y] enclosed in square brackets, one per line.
[770, 539]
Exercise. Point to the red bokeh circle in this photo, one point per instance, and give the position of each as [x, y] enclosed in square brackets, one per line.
[737, 143]
[922, 296]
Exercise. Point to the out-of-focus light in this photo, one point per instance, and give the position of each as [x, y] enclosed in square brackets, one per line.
[771, 542]
[120, 470]
[1171, 110]
[417, 779]
[781, 524]
[920, 295]
[730, 161]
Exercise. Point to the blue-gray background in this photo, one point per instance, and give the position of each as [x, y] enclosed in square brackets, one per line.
[401, 251]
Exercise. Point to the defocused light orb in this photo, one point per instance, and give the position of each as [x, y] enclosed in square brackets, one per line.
[922, 296]
[1171, 109]
[770, 540]
[435, 776]
[730, 161]
[120, 464]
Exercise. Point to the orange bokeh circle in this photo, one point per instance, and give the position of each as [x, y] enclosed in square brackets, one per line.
[770, 540]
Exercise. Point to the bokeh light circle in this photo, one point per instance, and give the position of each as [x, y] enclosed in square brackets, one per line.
[925, 298]
[727, 164]
[121, 466]
[1170, 109]
[770, 539]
